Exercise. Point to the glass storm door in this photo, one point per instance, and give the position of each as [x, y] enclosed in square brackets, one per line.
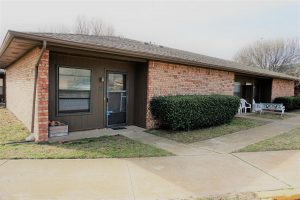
[116, 99]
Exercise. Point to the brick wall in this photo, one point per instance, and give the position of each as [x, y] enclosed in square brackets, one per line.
[282, 88]
[42, 98]
[172, 79]
[20, 87]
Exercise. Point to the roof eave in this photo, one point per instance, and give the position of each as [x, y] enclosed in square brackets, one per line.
[59, 42]
[165, 59]
[7, 40]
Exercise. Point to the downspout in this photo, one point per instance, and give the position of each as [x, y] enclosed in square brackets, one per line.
[31, 136]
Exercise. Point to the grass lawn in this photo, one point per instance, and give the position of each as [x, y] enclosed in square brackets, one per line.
[11, 130]
[237, 124]
[270, 115]
[286, 141]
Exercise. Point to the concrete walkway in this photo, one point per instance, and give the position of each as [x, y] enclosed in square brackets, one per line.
[232, 142]
[138, 134]
[199, 169]
[175, 177]
[223, 144]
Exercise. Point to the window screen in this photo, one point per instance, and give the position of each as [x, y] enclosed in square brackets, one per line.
[237, 89]
[74, 90]
[1, 86]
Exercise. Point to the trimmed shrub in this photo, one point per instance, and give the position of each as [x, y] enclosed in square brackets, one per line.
[187, 112]
[286, 101]
[290, 103]
[297, 102]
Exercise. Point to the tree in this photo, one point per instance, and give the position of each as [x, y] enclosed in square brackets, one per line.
[93, 27]
[84, 26]
[275, 55]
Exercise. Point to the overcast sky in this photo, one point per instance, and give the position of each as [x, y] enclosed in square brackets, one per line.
[214, 28]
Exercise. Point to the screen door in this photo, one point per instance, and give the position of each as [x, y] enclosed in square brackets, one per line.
[116, 98]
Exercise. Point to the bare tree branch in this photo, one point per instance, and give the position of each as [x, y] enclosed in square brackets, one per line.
[276, 55]
[109, 31]
[93, 27]
[97, 27]
[82, 26]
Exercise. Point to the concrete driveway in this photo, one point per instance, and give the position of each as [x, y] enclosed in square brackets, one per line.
[176, 177]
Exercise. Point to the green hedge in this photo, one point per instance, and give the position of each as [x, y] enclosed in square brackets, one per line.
[187, 112]
[290, 103]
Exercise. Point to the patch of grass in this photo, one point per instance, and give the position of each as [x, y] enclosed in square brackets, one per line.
[271, 115]
[103, 147]
[285, 141]
[11, 130]
[237, 124]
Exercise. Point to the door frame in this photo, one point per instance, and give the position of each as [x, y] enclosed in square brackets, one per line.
[107, 72]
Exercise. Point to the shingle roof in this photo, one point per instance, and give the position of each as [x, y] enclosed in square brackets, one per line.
[157, 52]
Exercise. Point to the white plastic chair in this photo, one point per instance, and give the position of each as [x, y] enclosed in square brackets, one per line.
[245, 105]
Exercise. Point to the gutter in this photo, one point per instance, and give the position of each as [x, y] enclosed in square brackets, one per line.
[31, 136]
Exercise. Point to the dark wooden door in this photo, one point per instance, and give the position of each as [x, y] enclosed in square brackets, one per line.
[248, 93]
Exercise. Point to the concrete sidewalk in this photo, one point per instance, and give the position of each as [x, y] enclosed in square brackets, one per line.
[223, 144]
[233, 142]
[177, 177]
[138, 134]
[199, 169]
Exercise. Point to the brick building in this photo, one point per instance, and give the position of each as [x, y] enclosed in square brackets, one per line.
[92, 82]
[2, 86]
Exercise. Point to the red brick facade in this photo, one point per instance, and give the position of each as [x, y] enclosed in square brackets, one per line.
[282, 88]
[173, 79]
[42, 93]
[162, 79]
[20, 88]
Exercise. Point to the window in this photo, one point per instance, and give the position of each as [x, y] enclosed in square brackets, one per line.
[74, 90]
[237, 89]
[116, 82]
[1, 86]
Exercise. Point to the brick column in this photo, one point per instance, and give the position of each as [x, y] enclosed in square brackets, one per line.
[281, 88]
[150, 122]
[42, 101]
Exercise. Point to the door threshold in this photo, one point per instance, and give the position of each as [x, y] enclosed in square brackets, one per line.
[118, 128]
